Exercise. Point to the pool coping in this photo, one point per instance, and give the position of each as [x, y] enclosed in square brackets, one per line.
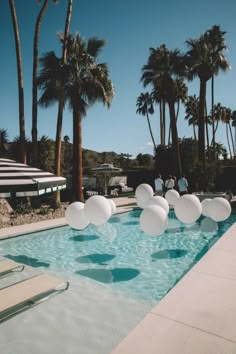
[14, 231]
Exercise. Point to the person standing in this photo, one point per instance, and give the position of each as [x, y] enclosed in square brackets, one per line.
[183, 185]
[169, 183]
[158, 182]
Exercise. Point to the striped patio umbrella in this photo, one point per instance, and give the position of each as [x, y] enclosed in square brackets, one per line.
[20, 180]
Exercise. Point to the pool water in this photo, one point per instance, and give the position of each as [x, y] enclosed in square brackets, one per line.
[118, 255]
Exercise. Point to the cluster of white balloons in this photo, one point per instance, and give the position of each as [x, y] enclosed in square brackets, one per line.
[218, 209]
[154, 217]
[188, 208]
[96, 210]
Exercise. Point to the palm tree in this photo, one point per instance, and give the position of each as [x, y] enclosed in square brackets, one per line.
[22, 155]
[34, 132]
[85, 83]
[198, 64]
[145, 107]
[163, 67]
[215, 39]
[218, 112]
[181, 94]
[3, 142]
[226, 118]
[61, 103]
[192, 112]
[204, 60]
[157, 98]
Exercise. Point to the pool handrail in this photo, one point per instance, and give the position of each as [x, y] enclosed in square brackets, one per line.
[28, 293]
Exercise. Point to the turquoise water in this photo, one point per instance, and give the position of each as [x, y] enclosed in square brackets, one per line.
[118, 255]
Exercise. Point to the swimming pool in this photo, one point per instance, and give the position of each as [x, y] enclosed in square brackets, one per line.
[118, 255]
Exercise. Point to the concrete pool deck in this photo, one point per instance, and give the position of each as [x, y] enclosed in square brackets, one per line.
[197, 316]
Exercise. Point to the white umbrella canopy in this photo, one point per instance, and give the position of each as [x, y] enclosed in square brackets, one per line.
[20, 180]
[106, 168]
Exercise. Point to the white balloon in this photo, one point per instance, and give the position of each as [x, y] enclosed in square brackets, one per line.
[160, 201]
[113, 205]
[143, 192]
[220, 209]
[206, 206]
[142, 203]
[172, 196]
[153, 220]
[97, 209]
[75, 216]
[188, 208]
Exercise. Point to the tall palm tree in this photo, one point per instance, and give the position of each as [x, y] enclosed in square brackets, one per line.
[218, 110]
[157, 98]
[85, 83]
[163, 67]
[181, 94]
[145, 107]
[198, 64]
[22, 155]
[192, 112]
[205, 59]
[226, 119]
[61, 103]
[34, 131]
[215, 39]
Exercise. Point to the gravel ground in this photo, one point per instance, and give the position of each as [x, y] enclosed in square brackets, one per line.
[10, 218]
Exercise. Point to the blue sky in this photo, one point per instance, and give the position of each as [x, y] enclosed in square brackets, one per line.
[130, 28]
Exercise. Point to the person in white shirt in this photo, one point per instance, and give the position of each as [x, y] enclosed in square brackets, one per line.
[169, 183]
[159, 186]
[183, 185]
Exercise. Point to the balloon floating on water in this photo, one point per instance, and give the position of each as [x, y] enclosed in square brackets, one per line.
[172, 196]
[143, 193]
[153, 220]
[188, 208]
[75, 216]
[97, 209]
[220, 209]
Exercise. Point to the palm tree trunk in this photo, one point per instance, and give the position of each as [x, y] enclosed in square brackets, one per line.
[194, 132]
[235, 142]
[169, 134]
[164, 121]
[175, 140]
[161, 123]
[213, 117]
[232, 139]
[20, 83]
[150, 129]
[77, 177]
[227, 136]
[177, 112]
[201, 131]
[34, 131]
[57, 167]
[207, 131]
